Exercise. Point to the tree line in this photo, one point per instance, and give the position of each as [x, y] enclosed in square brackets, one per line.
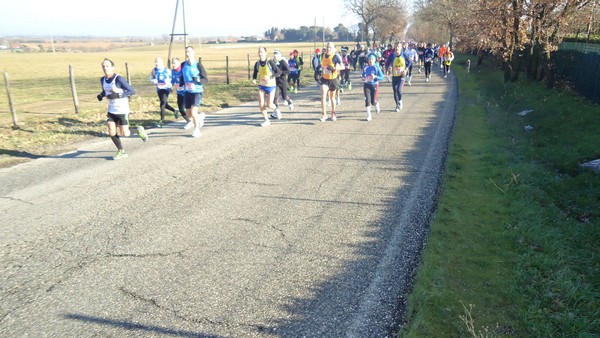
[518, 33]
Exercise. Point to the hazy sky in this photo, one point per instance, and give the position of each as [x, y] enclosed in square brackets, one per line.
[155, 17]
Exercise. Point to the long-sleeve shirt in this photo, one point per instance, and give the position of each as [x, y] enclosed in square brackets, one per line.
[372, 74]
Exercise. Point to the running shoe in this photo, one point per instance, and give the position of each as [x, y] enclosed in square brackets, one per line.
[369, 116]
[189, 125]
[142, 133]
[397, 108]
[159, 124]
[377, 110]
[291, 106]
[350, 86]
[201, 116]
[333, 117]
[176, 112]
[338, 102]
[295, 90]
[196, 133]
[120, 155]
[266, 123]
[401, 105]
[323, 118]
[278, 114]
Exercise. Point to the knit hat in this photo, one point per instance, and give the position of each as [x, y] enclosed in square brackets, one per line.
[317, 51]
[372, 55]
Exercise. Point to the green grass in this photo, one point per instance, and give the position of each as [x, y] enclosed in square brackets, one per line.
[516, 231]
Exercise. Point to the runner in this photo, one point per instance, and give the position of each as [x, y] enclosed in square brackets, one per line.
[282, 84]
[331, 64]
[386, 55]
[421, 53]
[371, 77]
[411, 57]
[265, 72]
[296, 64]
[193, 77]
[316, 66]
[397, 65]
[447, 58]
[441, 52]
[428, 57]
[117, 91]
[176, 72]
[161, 77]
[345, 71]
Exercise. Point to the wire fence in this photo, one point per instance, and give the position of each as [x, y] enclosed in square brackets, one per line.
[579, 64]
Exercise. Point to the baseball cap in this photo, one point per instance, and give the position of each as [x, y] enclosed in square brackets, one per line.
[317, 50]
[276, 52]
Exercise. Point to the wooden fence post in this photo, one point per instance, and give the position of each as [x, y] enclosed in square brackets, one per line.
[127, 72]
[227, 68]
[10, 101]
[73, 90]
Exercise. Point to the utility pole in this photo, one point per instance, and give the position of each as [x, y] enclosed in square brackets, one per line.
[173, 29]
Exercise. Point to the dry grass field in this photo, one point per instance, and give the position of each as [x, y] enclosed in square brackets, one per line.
[41, 91]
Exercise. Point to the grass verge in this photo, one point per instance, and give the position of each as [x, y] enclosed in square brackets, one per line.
[513, 247]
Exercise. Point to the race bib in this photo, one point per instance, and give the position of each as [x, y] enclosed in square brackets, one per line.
[326, 71]
[161, 85]
[264, 81]
[191, 86]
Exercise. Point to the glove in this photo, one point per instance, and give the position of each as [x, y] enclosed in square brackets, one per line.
[99, 97]
[113, 96]
[330, 68]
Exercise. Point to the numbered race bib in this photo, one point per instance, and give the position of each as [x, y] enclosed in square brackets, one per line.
[161, 85]
[326, 71]
[399, 70]
[190, 86]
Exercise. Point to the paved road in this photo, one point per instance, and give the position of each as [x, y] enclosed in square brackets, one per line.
[299, 229]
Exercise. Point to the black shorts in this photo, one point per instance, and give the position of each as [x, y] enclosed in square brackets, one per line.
[331, 83]
[118, 119]
[192, 99]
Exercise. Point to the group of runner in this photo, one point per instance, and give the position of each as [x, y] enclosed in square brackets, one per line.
[189, 79]
[274, 77]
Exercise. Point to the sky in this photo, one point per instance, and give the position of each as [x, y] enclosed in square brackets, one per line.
[154, 18]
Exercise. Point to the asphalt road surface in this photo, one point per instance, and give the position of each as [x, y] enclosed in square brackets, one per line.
[300, 229]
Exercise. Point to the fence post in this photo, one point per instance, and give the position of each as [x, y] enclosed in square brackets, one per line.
[127, 72]
[248, 66]
[227, 68]
[73, 90]
[10, 101]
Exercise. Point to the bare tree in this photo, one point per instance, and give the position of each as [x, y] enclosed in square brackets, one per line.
[369, 11]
